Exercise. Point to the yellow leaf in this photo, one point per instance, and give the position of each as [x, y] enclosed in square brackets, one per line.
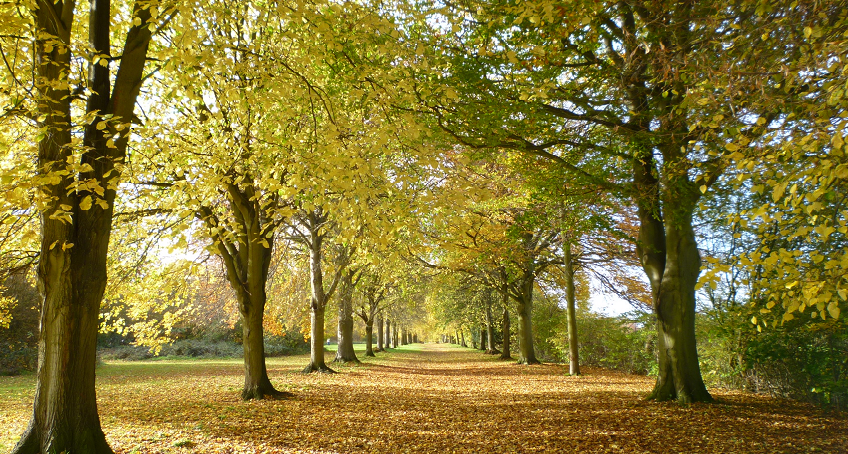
[86, 203]
[703, 189]
[731, 147]
[837, 141]
[754, 320]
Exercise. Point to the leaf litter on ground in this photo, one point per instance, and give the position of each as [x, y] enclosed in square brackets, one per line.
[425, 398]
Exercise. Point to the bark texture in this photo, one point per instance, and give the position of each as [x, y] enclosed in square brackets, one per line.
[526, 349]
[345, 353]
[72, 267]
[379, 334]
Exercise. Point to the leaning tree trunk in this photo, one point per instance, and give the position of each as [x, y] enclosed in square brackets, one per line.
[571, 311]
[73, 256]
[345, 351]
[369, 338]
[526, 350]
[379, 334]
[505, 354]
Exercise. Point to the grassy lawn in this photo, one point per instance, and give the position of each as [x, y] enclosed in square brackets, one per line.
[422, 398]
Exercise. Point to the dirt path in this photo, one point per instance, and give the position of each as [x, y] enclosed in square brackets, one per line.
[434, 398]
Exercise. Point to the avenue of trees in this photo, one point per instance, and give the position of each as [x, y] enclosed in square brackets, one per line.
[403, 171]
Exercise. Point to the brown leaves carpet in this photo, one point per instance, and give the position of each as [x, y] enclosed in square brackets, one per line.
[424, 398]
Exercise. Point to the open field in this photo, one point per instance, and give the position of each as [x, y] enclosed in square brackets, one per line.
[423, 398]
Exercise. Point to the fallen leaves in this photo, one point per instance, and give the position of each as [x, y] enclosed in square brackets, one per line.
[439, 399]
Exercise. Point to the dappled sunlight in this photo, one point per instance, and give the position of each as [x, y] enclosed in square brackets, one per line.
[438, 399]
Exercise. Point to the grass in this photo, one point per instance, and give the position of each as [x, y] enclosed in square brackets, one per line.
[422, 398]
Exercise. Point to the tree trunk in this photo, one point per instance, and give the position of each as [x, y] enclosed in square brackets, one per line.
[256, 382]
[345, 351]
[380, 334]
[316, 343]
[318, 301]
[72, 267]
[490, 330]
[395, 336]
[483, 339]
[526, 350]
[571, 311]
[505, 353]
[369, 338]
[679, 375]
[462, 333]
[403, 336]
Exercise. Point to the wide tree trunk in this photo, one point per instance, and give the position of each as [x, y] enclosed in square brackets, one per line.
[316, 343]
[669, 256]
[505, 353]
[395, 336]
[72, 266]
[483, 339]
[571, 312]
[345, 351]
[256, 382]
[679, 375]
[526, 349]
[379, 334]
[369, 338]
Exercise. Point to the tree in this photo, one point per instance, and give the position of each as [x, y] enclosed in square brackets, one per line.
[312, 231]
[662, 87]
[81, 153]
[345, 353]
[375, 290]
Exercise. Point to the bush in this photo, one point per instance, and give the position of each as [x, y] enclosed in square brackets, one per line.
[19, 342]
[620, 343]
[798, 360]
[288, 344]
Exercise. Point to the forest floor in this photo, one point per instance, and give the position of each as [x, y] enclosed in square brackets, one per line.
[423, 398]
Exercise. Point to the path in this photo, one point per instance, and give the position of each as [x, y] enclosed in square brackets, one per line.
[433, 398]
